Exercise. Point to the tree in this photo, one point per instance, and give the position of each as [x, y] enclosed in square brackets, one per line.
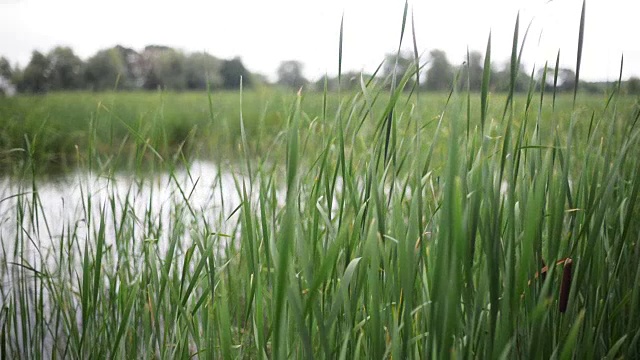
[164, 68]
[440, 74]
[134, 68]
[35, 75]
[200, 69]
[152, 80]
[6, 77]
[231, 71]
[472, 71]
[65, 69]
[118, 66]
[633, 85]
[290, 74]
[566, 79]
[106, 69]
[5, 69]
[501, 79]
[399, 64]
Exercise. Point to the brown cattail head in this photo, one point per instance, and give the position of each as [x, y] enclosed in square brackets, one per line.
[566, 285]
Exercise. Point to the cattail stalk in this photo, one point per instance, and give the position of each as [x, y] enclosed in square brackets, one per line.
[566, 285]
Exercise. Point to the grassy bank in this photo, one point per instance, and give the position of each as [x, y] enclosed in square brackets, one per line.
[63, 130]
[60, 132]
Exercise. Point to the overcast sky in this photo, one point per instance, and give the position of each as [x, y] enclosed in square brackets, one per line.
[264, 33]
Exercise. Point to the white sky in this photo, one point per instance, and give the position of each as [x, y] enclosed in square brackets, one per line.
[264, 32]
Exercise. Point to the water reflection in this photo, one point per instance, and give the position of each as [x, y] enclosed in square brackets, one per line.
[36, 221]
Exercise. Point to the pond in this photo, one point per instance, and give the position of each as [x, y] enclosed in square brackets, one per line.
[38, 220]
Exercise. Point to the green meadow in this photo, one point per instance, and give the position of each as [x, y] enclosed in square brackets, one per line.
[61, 132]
[382, 223]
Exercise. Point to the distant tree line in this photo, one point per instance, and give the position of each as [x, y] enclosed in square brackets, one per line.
[437, 73]
[123, 68]
[162, 67]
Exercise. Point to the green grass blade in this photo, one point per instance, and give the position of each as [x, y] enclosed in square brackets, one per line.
[579, 55]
